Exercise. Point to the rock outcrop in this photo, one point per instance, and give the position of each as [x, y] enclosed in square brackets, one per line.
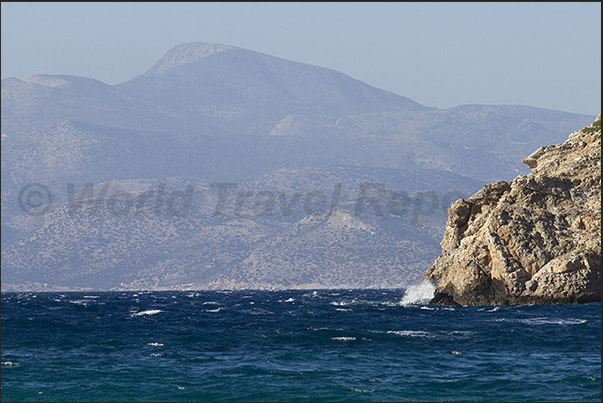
[536, 239]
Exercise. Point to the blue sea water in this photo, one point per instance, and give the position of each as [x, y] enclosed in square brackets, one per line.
[324, 345]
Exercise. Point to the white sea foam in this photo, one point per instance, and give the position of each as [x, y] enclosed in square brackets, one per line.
[343, 338]
[552, 321]
[149, 312]
[362, 390]
[343, 303]
[544, 321]
[412, 333]
[9, 363]
[213, 310]
[155, 344]
[461, 333]
[419, 294]
[290, 300]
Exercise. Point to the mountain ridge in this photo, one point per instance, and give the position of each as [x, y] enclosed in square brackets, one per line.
[214, 114]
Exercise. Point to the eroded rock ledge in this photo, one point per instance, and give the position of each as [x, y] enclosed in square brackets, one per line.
[536, 239]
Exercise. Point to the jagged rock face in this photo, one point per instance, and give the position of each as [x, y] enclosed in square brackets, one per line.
[536, 239]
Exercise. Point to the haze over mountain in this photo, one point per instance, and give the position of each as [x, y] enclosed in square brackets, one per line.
[210, 113]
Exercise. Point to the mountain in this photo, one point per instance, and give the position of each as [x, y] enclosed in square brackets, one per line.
[42, 100]
[536, 239]
[276, 131]
[242, 91]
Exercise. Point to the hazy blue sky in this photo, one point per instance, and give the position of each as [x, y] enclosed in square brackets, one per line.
[439, 54]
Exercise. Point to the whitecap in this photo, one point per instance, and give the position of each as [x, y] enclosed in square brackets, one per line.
[80, 302]
[213, 310]
[343, 338]
[412, 333]
[9, 363]
[90, 296]
[149, 312]
[342, 303]
[552, 321]
[155, 344]
[290, 300]
[543, 321]
[362, 390]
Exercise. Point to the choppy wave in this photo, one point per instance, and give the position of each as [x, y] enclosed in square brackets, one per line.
[294, 346]
[413, 333]
[343, 338]
[148, 312]
[362, 390]
[544, 321]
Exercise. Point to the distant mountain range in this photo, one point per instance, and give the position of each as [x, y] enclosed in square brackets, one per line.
[208, 115]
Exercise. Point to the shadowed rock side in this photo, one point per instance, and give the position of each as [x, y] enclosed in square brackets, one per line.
[536, 239]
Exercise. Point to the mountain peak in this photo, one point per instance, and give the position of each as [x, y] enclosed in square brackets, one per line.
[185, 53]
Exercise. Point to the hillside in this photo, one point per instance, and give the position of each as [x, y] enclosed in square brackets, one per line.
[282, 132]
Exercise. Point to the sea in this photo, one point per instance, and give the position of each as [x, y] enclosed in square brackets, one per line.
[299, 345]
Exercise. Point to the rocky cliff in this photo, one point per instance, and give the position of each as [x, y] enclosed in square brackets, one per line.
[536, 239]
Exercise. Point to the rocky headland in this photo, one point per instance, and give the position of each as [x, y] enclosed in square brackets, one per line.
[536, 239]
